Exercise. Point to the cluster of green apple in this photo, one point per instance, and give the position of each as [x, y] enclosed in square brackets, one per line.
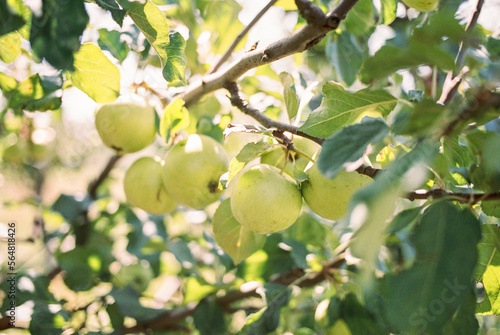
[264, 198]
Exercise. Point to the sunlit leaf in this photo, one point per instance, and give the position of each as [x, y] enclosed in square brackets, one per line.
[95, 74]
[152, 23]
[173, 70]
[247, 154]
[175, 118]
[340, 108]
[488, 269]
[289, 95]
[10, 20]
[10, 47]
[238, 241]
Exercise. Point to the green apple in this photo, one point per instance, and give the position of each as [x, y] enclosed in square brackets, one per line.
[329, 198]
[192, 170]
[275, 156]
[135, 275]
[422, 5]
[265, 201]
[126, 126]
[143, 185]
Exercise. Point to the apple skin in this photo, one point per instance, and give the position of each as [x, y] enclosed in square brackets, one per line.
[329, 198]
[143, 185]
[192, 170]
[264, 201]
[126, 126]
[422, 5]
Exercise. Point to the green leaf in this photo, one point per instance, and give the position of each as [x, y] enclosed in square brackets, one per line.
[493, 47]
[33, 94]
[389, 59]
[110, 40]
[196, 288]
[308, 230]
[173, 70]
[247, 154]
[129, 305]
[360, 18]
[349, 144]
[403, 219]
[373, 205]
[95, 74]
[209, 318]
[55, 35]
[74, 263]
[117, 13]
[340, 108]
[10, 47]
[267, 319]
[464, 321]
[289, 95]
[488, 269]
[10, 19]
[221, 19]
[491, 208]
[421, 120]
[152, 23]
[236, 240]
[45, 321]
[388, 11]
[422, 298]
[175, 118]
[346, 56]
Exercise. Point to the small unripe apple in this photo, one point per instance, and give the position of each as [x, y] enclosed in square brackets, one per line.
[192, 171]
[126, 126]
[143, 185]
[265, 201]
[329, 198]
[422, 5]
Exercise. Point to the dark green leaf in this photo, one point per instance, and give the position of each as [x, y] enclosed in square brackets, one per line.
[55, 35]
[209, 318]
[110, 40]
[491, 208]
[70, 207]
[33, 94]
[173, 70]
[349, 144]
[464, 321]
[115, 316]
[356, 316]
[129, 305]
[117, 13]
[420, 120]
[10, 20]
[493, 47]
[238, 241]
[421, 298]
[76, 262]
[346, 56]
[44, 321]
[403, 219]
[340, 108]
[389, 59]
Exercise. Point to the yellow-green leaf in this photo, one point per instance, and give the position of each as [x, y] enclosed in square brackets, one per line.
[95, 74]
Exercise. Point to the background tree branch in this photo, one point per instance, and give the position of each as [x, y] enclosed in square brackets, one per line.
[300, 41]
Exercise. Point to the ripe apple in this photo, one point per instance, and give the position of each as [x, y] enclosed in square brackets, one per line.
[422, 5]
[275, 156]
[329, 198]
[265, 201]
[192, 170]
[126, 126]
[144, 187]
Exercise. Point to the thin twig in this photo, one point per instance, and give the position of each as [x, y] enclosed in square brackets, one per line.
[92, 189]
[454, 77]
[456, 196]
[240, 37]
